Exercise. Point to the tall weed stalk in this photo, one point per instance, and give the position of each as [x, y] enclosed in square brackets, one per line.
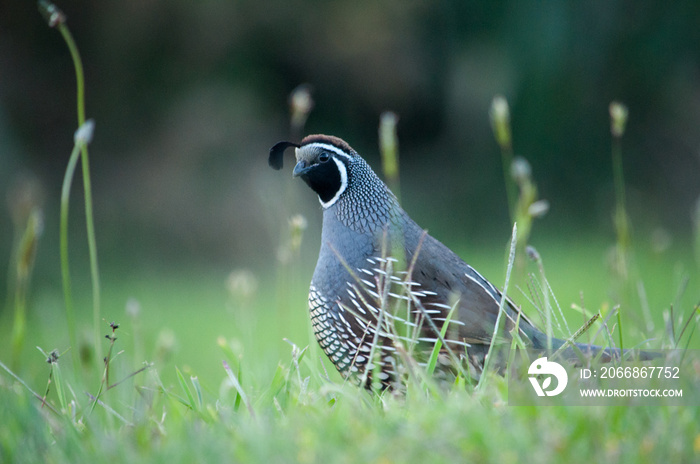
[56, 18]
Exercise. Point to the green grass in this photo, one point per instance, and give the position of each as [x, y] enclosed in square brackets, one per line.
[185, 407]
[457, 428]
[203, 366]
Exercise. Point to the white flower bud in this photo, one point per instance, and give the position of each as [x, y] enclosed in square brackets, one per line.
[538, 208]
[83, 136]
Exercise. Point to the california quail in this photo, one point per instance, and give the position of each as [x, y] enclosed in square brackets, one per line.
[377, 268]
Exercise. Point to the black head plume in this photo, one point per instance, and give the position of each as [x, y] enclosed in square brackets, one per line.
[277, 152]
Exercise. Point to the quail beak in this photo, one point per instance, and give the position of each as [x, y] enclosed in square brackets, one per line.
[301, 168]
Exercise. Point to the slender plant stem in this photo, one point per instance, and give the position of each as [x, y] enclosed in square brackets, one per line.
[511, 188]
[92, 245]
[619, 178]
[19, 325]
[500, 123]
[25, 253]
[92, 242]
[621, 221]
[79, 75]
[501, 309]
[65, 268]
[25, 385]
[622, 228]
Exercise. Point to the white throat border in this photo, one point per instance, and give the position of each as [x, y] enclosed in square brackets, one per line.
[342, 170]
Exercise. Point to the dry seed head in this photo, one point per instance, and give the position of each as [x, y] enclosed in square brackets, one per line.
[538, 208]
[297, 223]
[29, 242]
[83, 136]
[297, 226]
[300, 105]
[618, 118]
[133, 308]
[532, 253]
[520, 169]
[52, 14]
[165, 344]
[388, 143]
[300, 100]
[242, 283]
[24, 196]
[53, 357]
[500, 121]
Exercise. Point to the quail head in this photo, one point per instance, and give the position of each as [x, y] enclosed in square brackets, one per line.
[378, 270]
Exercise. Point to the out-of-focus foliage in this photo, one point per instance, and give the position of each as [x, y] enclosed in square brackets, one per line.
[188, 96]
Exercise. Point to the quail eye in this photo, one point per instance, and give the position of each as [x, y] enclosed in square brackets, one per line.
[323, 157]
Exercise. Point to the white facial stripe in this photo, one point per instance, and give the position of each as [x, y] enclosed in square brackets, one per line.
[343, 179]
[329, 147]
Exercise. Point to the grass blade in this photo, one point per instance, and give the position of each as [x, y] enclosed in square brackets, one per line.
[239, 389]
[188, 393]
[432, 361]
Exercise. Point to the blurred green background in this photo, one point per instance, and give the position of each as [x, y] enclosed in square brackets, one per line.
[189, 96]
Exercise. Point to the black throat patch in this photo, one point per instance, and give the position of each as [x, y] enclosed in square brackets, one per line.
[325, 180]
